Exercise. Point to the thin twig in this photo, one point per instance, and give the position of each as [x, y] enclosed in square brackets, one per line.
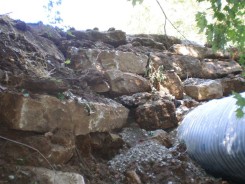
[30, 147]
[166, 18]
[165, 22]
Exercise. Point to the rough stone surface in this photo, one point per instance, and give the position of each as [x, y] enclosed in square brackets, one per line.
[173, 83]
[235, 83]
[197, 51]
[82, 131]
[156, 115]
[48, 86]
[184, 66]
[123, 83]
[162, 137]
[57, 147]
[99, 144]
[202, 89]
[213, 68]
[47, 176]
[46, 31]
[154, 41]
[133, 135]
[107, 60]
[50, 113]
[94, 79]
[25, 50]
[135, 100]
[114, 38]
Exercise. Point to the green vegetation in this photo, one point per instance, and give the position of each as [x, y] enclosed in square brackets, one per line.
[240, 103]
[155, 76]
[61, 96]
[223, 23]
[67, 62]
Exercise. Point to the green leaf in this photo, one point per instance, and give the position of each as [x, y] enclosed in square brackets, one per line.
[239, 113]
[240, 103]
[201, 21]
[67, 62]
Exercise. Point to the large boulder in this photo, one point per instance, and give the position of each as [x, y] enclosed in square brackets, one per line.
[203, 89]
[158, 114]
[107, 60]
[46, 113]
[173, 83]
[229, 84]
[213, 68]
[187, 66]
[184, 66]
[197, 51]
[123, 83]
[154, 41]
[114, 38]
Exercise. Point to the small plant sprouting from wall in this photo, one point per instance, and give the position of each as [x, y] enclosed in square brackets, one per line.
[156, 76]
[67, 62]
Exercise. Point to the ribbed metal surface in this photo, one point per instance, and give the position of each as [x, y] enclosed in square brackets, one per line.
[215, 137]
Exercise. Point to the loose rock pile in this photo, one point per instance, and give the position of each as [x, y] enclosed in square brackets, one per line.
[77, 107]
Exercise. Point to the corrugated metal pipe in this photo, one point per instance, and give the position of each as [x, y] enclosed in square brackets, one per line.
[215, 138]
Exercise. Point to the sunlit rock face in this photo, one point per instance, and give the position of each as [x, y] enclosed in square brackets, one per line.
[46, 113]
[123, 83]
[202, 89]
[214, 68]
[173, 83]
[198, 51]
[107, 60]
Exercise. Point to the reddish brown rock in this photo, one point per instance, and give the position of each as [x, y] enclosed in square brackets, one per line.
[230, 84]
[39, 150]
[156, 115]
[162, 137]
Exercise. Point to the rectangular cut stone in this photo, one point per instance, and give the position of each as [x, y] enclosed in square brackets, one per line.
[46, 113]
